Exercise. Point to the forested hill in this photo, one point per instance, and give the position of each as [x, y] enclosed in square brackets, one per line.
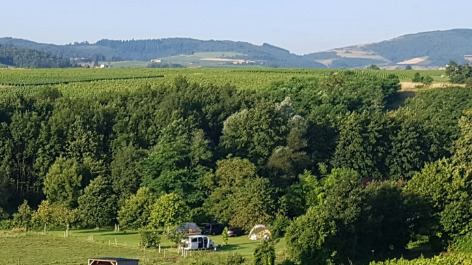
[435, 48]
[27, 58]
[134, 50]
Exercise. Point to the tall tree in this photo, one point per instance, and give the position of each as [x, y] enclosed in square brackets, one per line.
[98, 204]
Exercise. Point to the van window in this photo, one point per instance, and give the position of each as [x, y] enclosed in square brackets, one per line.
[194, 240]
[207, 226]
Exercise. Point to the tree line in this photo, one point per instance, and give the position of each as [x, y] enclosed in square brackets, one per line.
[323, 161]
[27, 58]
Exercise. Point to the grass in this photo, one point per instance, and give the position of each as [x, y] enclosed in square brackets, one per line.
[35, 248]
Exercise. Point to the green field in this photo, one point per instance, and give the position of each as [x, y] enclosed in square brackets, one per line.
[85, 82]
[34, 248]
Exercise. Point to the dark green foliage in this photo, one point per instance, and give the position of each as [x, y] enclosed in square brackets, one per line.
[98, 203]
[27, 58]
[373, 67]
[417, 78]
[165, 65]
[363, 144]
[459, 74]
[264, 254]
[124, 172]
[351, 223]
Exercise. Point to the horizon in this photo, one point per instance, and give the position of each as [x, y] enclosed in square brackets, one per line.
[301, 26]
[133, 39]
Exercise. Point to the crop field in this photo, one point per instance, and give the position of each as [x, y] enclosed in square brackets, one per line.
[33, 248]
[87, 82]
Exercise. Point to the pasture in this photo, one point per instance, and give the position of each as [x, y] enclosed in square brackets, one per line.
[33, 248]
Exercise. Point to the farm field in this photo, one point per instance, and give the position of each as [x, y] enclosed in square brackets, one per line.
[196, 60]
[53, 248]
[85, 82]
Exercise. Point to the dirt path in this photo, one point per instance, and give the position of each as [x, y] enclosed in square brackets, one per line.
[411, 86]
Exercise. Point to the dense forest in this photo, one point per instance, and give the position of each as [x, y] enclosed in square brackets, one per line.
[323, 161]
[27, 58]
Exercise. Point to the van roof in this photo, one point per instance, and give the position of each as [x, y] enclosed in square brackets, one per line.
[197, 236]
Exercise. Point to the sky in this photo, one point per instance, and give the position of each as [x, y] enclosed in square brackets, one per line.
[301, 26]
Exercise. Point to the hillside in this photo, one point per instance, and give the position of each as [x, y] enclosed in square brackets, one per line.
[145, 50]
[28, 58]
[427, 50]
[422, 50]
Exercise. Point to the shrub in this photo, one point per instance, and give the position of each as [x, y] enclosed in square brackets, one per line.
[279, 226]
[150, 238]
[264, 254]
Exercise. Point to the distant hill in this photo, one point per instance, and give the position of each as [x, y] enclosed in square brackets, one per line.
[422, 50]
[144, 50]
[28, 58]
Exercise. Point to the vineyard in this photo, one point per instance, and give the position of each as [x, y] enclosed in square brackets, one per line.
[87, 82]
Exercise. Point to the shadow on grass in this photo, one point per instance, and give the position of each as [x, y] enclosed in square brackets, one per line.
[93, 231]
[234, 247]
[120, 233]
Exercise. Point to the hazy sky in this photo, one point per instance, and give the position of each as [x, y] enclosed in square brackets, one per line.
[301, 26]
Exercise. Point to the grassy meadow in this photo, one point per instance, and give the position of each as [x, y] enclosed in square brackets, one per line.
[34, 248]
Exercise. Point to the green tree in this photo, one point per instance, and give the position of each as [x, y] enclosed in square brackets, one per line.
[373, 67]
[446, 185]
[44, 216]
[417, 78]
[306, 193]
[264, 254]
[63, 182]
[224, 235]
[363, 144]
[124, 176]
[178, 163]
[23, 217]
[408, 67]
[168, 210]
[239, 197]
[98, 204]
[428, 80]
[254, 133]
[136, 210]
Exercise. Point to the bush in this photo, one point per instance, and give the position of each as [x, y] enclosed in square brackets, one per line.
[175, 236]
[264, 254]
[463, 244]
[279, 226]
[150, 238]
[428, 80]
[7, 224]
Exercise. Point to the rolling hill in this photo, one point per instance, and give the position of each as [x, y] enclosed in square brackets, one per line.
[145, 50]
[421, 50]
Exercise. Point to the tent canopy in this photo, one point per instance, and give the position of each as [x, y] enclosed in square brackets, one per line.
[189, 228]
[259, 232]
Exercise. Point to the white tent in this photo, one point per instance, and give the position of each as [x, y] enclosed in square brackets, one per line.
[189, 228]
[258, 232]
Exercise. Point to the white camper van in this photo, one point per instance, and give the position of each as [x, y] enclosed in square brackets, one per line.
[197, 242]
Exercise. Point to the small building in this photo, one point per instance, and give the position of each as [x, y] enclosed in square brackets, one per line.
[156, 60]
[112, 261]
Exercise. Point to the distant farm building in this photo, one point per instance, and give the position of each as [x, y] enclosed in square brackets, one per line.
[156, 60]
[112, 261]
